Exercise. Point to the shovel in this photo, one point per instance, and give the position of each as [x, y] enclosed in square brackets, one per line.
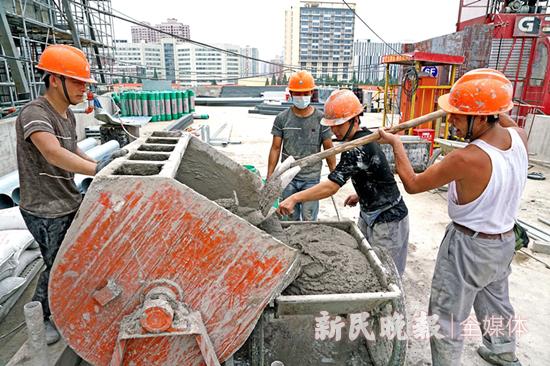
[288, 169]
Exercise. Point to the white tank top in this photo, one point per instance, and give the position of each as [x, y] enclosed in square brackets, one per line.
[495, 210]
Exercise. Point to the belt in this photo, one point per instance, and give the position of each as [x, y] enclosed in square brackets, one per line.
[470, 232]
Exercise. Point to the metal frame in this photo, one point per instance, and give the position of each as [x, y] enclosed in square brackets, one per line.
[33, 24]
[417, 60]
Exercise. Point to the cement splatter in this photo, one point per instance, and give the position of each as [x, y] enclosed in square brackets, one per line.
[331, 262]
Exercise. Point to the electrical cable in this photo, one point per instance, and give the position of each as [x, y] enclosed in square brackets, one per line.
[410, 81]
[370, 28]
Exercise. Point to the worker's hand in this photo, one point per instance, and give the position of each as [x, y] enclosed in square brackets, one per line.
[108, 159]
[387, 138]
[351, 200]
[287, 206]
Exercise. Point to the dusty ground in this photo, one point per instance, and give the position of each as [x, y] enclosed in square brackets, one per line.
[529, 282]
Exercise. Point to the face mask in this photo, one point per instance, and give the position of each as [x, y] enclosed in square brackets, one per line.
[301, 102]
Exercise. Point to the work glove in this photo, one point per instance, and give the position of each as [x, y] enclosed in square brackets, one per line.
[106, 160]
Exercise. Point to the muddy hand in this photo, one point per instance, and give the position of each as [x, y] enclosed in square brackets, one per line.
[286, 207]
[351, 200]
[387, 138]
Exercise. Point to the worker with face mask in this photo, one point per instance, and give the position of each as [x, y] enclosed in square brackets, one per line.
[383, 217]
[298, 133]
[486, 180]
[48, 156]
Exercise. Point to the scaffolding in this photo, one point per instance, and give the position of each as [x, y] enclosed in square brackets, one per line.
[28, 26]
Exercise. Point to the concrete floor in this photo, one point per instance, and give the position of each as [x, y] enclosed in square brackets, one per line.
[529, 282]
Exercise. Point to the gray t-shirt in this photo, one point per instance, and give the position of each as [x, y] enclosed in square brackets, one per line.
[301, 137]
[46, 190]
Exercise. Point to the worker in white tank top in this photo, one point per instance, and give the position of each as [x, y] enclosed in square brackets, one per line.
[486, 180]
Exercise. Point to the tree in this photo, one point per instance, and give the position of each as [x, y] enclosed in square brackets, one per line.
[354, 78]
[124, 80]
[115, 81]
[266, 81]
[130, 80]
[273, 80]
[285, 79]
[155, 74]
[213, 82]
[139, 81]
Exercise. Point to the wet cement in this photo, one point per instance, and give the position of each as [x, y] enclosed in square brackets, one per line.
[270, 225]
[331, 262]
[215, 176]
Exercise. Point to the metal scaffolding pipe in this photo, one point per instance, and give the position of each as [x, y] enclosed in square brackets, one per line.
[34, 317]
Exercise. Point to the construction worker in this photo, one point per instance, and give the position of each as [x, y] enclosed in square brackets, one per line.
[297, 132]
[383, 216]
[486, 180]
[48, 157]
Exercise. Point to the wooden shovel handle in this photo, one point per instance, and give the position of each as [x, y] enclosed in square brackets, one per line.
[312, 159]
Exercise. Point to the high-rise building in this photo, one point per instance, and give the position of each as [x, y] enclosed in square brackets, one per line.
[140, 60]
[249, 67]
[199, 65]
[319, 38]
[367, 60]
[184, 62]
[171, 26]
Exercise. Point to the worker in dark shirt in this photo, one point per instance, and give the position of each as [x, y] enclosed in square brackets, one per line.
[383, 216]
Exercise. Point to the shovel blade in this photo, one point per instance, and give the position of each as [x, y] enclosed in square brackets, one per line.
[274, 187]
[283, 167]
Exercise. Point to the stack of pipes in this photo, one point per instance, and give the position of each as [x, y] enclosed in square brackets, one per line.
[9, 183]
[159, 105]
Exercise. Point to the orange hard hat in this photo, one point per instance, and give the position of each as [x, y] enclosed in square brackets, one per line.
[301, 81]
[341, 106]
[479, 92]
[65, 60]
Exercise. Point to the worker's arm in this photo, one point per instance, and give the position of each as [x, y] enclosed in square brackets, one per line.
[506, 121]
[274, 154]
[449, 169]
[331, 160]
[83, 155]
[319, 191]
[55, 154]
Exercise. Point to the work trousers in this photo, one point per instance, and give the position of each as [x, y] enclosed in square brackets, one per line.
[304, 211]
[392, 236]
[49, 234]
[471, 271]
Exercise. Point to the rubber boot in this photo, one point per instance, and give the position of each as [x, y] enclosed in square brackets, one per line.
[52, 335]
[501, 359]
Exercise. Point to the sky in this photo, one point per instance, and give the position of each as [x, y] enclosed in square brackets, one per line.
[260, 23]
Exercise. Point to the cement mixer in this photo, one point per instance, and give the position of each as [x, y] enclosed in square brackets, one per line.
[154, 271]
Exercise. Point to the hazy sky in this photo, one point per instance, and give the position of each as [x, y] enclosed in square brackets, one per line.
[260, 23]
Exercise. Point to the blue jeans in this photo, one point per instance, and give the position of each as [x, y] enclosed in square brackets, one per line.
[306, 211]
